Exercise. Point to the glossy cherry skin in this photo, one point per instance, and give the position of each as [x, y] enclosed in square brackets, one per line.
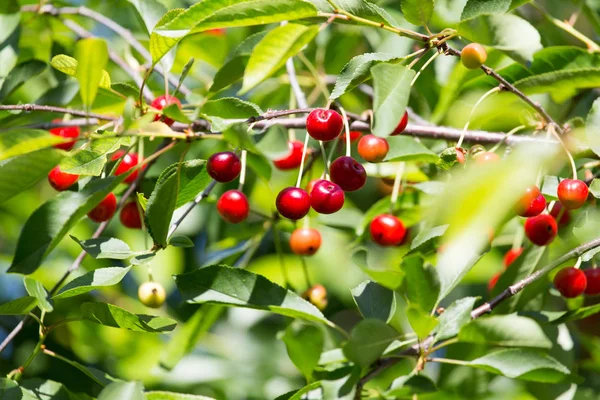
[593, 281]
[347, 173]
[65, 132]
[401, 125]
[326, 197]
[570, 282]
[373, 148]
[130, 216]
[105, 209]
[572, 193]
[224, 167]
[293, 203]
[557, 209]
[128, 162]
[152, 294]
[493, 281]
[61, 180]
[487, 157]
[233, 206]
[387, 230]
[354, 136]
[161, 102]
[511, 256]
[293, 159]
[460, 156]
[532, 203]
[305, 241]
[541, 229]
[317, 296]
[324, 125]
[473, 55]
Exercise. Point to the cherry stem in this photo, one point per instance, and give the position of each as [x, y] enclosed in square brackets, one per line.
[397, 181]
[305, 269]
[243, 173]
[552, 131]
[279, 250]
[508, 134]
[299, 180]
[347, 131]
[481, 99]
[429, 61]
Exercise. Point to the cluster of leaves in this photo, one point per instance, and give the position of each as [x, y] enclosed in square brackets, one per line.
[390, 321]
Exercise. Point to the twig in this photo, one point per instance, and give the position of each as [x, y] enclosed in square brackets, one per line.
[190, 207]
[61, 110]
[298, 93]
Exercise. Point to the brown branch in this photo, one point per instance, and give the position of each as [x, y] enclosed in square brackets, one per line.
[61, 110]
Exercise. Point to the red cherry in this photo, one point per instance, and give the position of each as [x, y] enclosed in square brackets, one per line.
[401, 125]
[493, 281]
[293, 203]
[354, 136]
[233, 206]
[66, 132]
[293, 159]
[541, 229]
[593, 281]
[532, 203]
[305, 241]
[324, 125]
[311, 184]
[373, 148]
[348, 173]
[130, 216]
[570, 282]
[216, 32]
[61, 180]
[511, 256]
[224, 167]
[572, 193]
[128, 162]
[486, 157]
[387, 230]
[162, 102]
[105, 209]
[326, 197]
[556, 210]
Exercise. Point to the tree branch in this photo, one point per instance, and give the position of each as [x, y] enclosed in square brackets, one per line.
[61, 110]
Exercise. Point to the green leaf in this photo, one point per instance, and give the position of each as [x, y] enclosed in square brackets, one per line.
[116, 317]
[427, 236]
[271, 53]
[506, 32]
[192, 181]
[592, 127]
[37, 290]
[421, 322]
[239, 137]
[40, 389]
[391, 84]
[150, 12]
[406, 148]
[46, 227]
[299, 394]
[20, 173]
[84, 162]
[9, 22]
[421, 283]
[160, 395]
[417, 12]
[411, 385]
[239, 288]
[524, 364]
[357, 70]
[304, 346]
[188, 334]
[505, 330]
[368, 340]
[474, 8]
[19, 306]
[560, 84]
[223, 14]
[274, 144]
[374, 301]
[92, 56]
[9, 389]
[229, 73]
[123, 391]
[16, 142]
[19, 75]
[595, 188]
[455, 316]
[231, 108]
[92, 280]
[174, 112]
[105, 247]
[389, 276]
[68, 65]
[181, 241]
[577, 314]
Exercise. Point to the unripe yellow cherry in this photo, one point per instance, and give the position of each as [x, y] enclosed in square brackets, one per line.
[317, 295]
[152, 294]
[473, 55]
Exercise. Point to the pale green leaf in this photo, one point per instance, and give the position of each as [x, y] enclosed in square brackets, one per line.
[92, 56]
[116, 317]
[68, 65]
[374, 301]
[368, 340]
[417, 12]
[37, 290]
[92, 280]
[505, 330]
[357, 70]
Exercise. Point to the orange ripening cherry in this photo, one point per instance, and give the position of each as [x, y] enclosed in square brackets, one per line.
[572, 193]
[541, 229]
[532, 203]
[387, 230]
[486, 157]
[317, 296]
[305, 241]
[105, 209]
[473, 55]
[293, 159]
[401, 125]
[130, 216]
[67, 132]
[162, 102]
[511, 256]
[324, 125]
[233, 206]
[129, 161]
[593, 281]
[373, 148]
[460, 156]
[570, 282]
[61, 180]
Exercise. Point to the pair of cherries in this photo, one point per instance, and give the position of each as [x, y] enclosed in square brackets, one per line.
[233, 205]
[129, 216]
[572, 282]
